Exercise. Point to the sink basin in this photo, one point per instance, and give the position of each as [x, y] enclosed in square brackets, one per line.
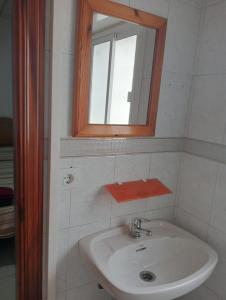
[164, 266]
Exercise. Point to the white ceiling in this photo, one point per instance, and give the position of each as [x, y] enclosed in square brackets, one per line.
[102, 22]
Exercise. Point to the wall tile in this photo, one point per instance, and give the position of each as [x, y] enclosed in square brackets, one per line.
[201, 293]
[44, 265]
[48, 44]
[63, 209]
[211, 151]
[218, 216]
[94, 173]
[61, 254]
[217, 239]
[84, 212]
[213, 2]
[66, 62]
[166, 213]
[165, 167]
[211, 55]
[77, 273]
[182, 218]
[224, 141]
[174, 96]
[217, 281]
[208, 114]
[196, 3]
[194, 219]
[191, 224]
[157, 7]
[66, 163]
[88, 292]
[62, 87]
[126, 208]
[61, 296]
[45, 197]
[65, 21]
[132, 167]
[78, 232]
[197, 183]
[126, 219]
[160, 202]
[81, 147]
[90, 202]
[182, 34]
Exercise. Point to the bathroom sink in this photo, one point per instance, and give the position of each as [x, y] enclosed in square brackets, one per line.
[164, 266]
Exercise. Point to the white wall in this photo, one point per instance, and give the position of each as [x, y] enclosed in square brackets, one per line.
[183, 24]
[207, 118]
[85, 207]
[201, 206]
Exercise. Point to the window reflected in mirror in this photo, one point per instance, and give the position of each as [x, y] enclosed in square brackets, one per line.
[122, 59]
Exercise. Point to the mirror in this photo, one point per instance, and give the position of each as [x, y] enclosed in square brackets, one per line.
[119, 57]
[122, 58]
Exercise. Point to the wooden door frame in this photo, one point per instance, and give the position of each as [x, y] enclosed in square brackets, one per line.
[28, 38]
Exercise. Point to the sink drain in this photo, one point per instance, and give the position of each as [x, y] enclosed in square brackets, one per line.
[147, 276]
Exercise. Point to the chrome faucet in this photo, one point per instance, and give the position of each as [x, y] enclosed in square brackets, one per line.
[136, 228]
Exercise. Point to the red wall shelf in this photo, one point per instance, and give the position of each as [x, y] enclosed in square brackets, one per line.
[134, 190]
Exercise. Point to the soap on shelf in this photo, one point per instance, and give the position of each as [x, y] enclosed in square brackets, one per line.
[134, 190]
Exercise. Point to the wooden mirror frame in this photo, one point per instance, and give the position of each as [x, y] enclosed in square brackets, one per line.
[85, 10]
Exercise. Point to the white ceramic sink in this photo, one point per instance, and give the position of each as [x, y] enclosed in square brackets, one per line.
[175, 261]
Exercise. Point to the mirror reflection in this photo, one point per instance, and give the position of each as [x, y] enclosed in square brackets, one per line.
[122, 57]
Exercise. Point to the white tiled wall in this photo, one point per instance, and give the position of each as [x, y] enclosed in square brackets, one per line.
[46, 136]
[201, 203]
[201, 209]
[208, 111]
[208, 115]
[86, 207]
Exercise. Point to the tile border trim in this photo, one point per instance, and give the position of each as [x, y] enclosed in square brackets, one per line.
[102, 147]
[211, 151]
[71, 147]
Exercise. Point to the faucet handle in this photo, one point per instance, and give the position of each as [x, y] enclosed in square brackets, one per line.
[138, 222]
[136, 227]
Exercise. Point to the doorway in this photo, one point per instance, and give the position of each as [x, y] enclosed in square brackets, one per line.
[21, 148]
[7, 159]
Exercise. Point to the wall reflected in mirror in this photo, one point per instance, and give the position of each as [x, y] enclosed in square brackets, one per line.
[7, 199]
[122, 59]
